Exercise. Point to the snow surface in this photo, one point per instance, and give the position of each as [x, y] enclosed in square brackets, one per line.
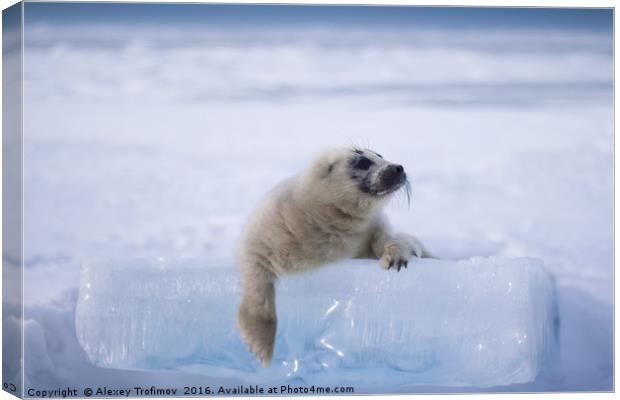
[144, 142]
[483, 322]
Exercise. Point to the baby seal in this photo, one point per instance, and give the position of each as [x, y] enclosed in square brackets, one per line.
[329, 212]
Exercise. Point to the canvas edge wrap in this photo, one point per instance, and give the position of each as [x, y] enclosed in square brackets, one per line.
[12, 199]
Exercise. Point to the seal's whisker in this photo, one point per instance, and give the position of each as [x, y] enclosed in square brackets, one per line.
[408, 193]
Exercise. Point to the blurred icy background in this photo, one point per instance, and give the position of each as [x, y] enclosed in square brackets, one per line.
[153, 131]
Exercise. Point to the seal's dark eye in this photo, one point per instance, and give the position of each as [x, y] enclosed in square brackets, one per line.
[362, 163]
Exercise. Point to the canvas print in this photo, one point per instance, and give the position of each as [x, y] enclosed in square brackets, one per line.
[244, 199]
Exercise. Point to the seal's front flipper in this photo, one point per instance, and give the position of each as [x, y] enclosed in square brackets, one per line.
[256, 317]
[258, 331]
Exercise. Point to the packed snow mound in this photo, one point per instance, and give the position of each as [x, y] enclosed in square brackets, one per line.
[481, 322]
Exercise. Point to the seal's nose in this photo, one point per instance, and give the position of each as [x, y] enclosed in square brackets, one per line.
[394, 174]
[396, 171]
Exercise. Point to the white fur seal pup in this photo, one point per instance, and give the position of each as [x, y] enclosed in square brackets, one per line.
[329, 212]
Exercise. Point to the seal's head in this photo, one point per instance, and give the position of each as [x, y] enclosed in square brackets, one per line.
[353, 175]
[374, 175]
